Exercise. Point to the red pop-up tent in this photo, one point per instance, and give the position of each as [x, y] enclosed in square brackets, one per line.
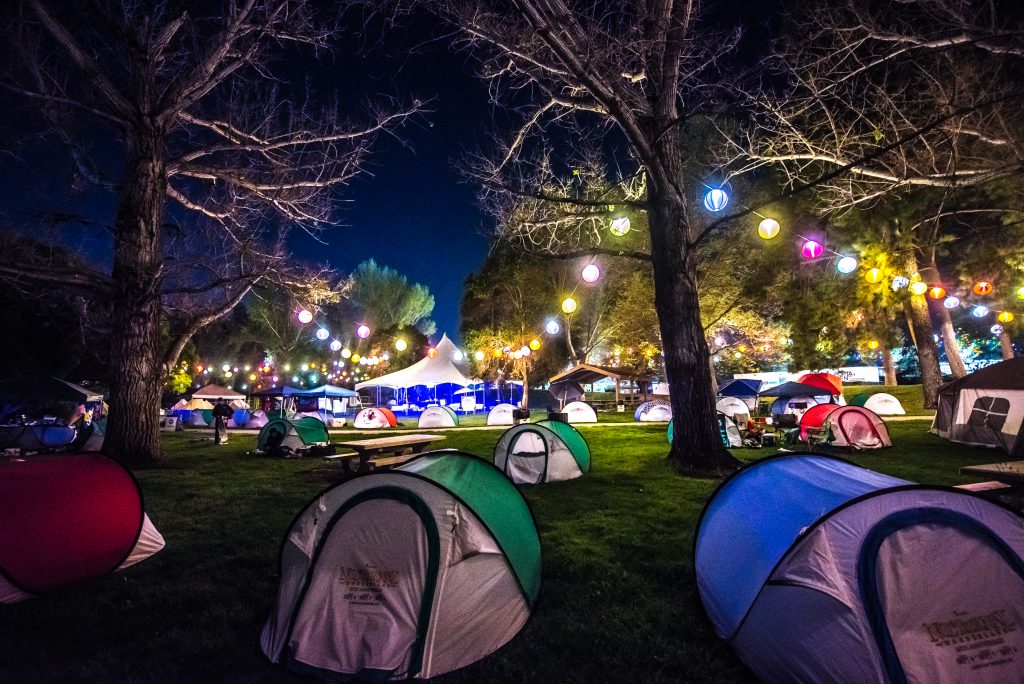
[832, 384]
[67, 519]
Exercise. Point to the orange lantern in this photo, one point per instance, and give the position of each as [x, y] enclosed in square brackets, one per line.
[982, 288]
[1005, 317]
[937, 292]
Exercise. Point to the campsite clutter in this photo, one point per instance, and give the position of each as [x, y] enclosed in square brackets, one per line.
[841, 582]
[423, 569]
[68, 519]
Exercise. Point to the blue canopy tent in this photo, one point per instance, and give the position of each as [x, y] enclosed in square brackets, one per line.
[816, 569]
[741, 388]
[325, 397]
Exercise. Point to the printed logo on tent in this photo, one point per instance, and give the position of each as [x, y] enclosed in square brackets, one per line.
[978, 641]
[365, 586]
[990, 412]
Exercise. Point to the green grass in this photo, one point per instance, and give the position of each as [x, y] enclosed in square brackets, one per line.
[618, 602]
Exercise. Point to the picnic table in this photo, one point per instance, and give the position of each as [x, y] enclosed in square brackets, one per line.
[383, 452]
[1009, 472]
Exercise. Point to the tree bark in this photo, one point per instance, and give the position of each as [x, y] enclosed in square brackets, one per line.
[714, 376]
[133, 432]
[927, 351]
[696, 443]
[1006, 345]
[888, 367]
[956, 361]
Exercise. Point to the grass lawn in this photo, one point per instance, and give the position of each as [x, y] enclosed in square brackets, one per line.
[618, 603]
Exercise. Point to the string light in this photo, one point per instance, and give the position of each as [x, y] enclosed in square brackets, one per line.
[982, 288]
[919, 287]
[479, 356]
[872, 344]
[980, 311]
[535, 344]
[569, 305]
[846, 265]
[716, 200]
[812, 249]
[323, 333]
[937, 292]
[1005, 317]
[401, 345]
[768, 228]
[951, 302]
[620, 226]
[552, 327]
[305, 316]
[363, 331]
[873, 275]
[591, 273]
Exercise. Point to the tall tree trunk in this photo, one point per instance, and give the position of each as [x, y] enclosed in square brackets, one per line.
[133, 434]
[927, 351]
[714, 375]
[888, 367]
[1006, 345]
[696, 443]
[956, 360]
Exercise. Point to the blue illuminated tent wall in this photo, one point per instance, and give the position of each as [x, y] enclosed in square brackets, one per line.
[815, 569]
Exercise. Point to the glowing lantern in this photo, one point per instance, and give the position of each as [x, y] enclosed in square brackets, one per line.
[982, 288]
[518, 355]
[591, 273]
[335, 345]
[323, 334]
[1005, 317]
[872, 344]
[252, 376]
[525, 351]
[1020, 293]
[535, 344]
[811, 249]
[346, 353]
[569, 305]
[980, 311]
[305, 367]
[900, 282]
[873, 275]
[937, 292]
[363, 331]
[226, 367]
[432, 353]
[401, 345]
[497, 353]
[768, 228]
[919, 288]
[846, 265]
[305, 316]
[457, 355]
[996, 329]
[620, 226]
[478, 356]
[552, 327]
[742, 347]
[227, 374]
[716, 199]
[951, 302]
[356, 358]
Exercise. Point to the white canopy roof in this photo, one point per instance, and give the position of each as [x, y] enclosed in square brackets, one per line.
[428, 371]
[216, 392]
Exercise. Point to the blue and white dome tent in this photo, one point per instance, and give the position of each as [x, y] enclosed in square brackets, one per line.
[815, 569]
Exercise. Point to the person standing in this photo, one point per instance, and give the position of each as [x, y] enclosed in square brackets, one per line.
[221, 413]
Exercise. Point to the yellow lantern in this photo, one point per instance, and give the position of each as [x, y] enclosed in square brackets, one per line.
[401, 345]
[873, 275]
[919, 287]
[872, 344]
[535, 344]
[1020, 293]
[768, 229]
[497, 353]
[1005, 317]
[569, 305]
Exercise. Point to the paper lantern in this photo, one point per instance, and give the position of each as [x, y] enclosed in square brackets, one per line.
[716, 199]
[846, 265]
[305, 367]
[363, 331]
[1005, 317]
[982, 288]
[996, 329]
[980, 311]
[811, 249]
[873, 275]
[525, 351]
[569, 305]
[322, 333]
[900, 282]
[768, 228]
[497, 353]
[872, 344]
[226, 367]
[919, 287]
[478, 356]
[591, 273]
[305, 316]
[356, 358]
[335, 345]
[432, 353]
[951, 302]
[937, 292]
[346, 353]
[620, 226]
[535, 344]
[401, 345]
[552, 327]
[1020, 293]
[457, 355]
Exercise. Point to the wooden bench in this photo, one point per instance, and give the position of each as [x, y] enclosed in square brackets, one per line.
[384, 452]
[993, 485]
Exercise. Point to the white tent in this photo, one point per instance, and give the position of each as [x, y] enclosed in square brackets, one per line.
[438, 369]
[438, 417]
[214, 392]
[196, 419]
[257, 420]
[881, 403]
[193, 404]
[731, 406]
[654, 411]
[374, 417]
[501, 414]
[580, 412]
[546, 451]
[795, 406]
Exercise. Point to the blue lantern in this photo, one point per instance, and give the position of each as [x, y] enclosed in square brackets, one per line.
[716, 199]
[847, 265]
[322, 334]
[980, 311]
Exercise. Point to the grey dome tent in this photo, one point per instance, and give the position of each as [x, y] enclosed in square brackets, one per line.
[406, 573]
[985, 408]
[437, 416]
[545, 451]
[284, 436]
[817, 570]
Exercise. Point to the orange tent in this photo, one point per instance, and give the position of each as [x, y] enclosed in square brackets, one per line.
[832, 384]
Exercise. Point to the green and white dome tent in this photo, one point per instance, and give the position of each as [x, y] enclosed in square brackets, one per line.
[281, 435]
[406, 573]
[545, 451]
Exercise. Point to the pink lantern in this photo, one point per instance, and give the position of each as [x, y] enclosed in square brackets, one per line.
[591, 273]
[362, 332]
[305, 316]
[812, 249]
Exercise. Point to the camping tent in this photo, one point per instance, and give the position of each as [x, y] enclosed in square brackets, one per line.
[881, 403]
[199, 418]
[545, 451]
[257, 420]
[831, 385]
[856, 427]
[728, 431]
[743, 389]
[375, 417]
[815, 417]
[438, 416]
[407, 573]
[733, 406]
[284, 436]
[501, 414]
[795, 406]
[653, 411]
[439, 372]
[840, 574]
[68, 519]
[579, 412]
[985, 408]
[214, 392]
[45, 389]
